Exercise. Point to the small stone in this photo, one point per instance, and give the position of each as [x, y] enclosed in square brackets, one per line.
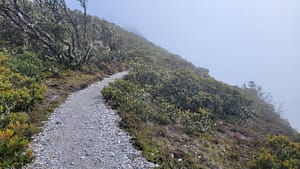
[72, 163]
[179, 159]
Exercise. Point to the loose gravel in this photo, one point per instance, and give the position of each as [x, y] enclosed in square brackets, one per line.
[83, 133]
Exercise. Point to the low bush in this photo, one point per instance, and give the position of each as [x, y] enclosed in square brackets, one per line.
[280, 153]
[13, 141]
[27, 64]
[17, 92]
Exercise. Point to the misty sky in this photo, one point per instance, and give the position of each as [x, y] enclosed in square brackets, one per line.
[237, 40]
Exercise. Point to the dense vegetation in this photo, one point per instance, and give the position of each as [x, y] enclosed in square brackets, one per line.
[180, 117]
[280, 153]
[177, 114]
[163, 107]
[18, 93]
[160, 94]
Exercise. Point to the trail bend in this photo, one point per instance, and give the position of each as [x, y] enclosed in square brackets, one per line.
[83, 133]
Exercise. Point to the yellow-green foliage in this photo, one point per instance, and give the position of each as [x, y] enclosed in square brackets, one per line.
[27, 64]
[17, 92]
[13, 143]
[281, 153]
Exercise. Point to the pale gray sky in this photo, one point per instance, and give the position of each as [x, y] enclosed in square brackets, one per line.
[236, 40]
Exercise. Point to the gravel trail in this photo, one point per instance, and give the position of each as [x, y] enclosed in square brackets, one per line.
[83, 133]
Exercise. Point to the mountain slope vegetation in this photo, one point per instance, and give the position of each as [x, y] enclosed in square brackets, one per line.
[183, 118]
[177, 114]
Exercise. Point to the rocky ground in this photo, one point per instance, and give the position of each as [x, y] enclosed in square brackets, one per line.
[83, 133]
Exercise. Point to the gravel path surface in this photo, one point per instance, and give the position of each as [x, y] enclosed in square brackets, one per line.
[83, 133]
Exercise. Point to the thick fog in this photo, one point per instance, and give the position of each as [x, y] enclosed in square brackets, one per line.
[236, 40]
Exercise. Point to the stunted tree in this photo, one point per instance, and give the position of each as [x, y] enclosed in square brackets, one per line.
[83, 4]
[52, 29]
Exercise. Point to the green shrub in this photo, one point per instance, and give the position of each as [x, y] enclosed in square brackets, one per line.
[17, 92]
[281, 153]
[13, 143]
[105, 56]
[27, 64]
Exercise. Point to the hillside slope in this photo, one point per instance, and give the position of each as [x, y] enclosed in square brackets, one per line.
[183, 118]
[177, 114]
